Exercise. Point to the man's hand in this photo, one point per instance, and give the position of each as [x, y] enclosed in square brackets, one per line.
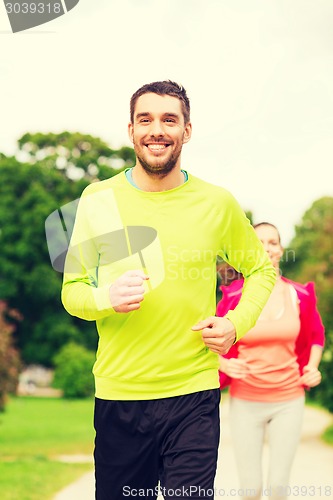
[217, 333]
[127, 291]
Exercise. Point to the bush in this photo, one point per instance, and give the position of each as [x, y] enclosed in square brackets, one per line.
[73, 365]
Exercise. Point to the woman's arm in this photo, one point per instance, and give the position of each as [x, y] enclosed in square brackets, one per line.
[311, 375]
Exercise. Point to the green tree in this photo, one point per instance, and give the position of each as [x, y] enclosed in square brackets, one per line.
[28, 194]
[76, 155]
[310, 258]
[9, 357]
[50, 170]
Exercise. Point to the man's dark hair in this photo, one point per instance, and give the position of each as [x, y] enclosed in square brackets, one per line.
[167, 87]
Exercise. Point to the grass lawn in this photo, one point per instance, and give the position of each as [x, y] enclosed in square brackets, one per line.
[33, 433]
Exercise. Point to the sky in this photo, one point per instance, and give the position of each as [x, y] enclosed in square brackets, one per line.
[259, 75]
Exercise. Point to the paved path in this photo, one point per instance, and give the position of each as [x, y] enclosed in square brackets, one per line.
[312, 474]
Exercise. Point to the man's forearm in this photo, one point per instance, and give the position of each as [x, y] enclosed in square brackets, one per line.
[257, 289]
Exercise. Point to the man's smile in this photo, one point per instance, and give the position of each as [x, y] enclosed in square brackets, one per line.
[157, 146]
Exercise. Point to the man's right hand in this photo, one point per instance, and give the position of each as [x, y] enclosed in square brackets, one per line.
[127, 291]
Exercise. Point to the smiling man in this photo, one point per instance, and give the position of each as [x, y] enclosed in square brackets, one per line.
[142, 263]
[158, 132]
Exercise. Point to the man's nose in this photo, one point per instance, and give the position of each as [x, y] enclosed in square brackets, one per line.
[156, 128]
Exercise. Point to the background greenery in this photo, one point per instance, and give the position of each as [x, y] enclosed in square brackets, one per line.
[310, 258]
[33, 434]
[50, 170]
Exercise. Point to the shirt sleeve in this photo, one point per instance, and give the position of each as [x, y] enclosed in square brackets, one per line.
[243, 250]
[81, 295]
[317, 327]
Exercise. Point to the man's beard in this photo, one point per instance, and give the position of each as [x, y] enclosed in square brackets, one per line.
[161, 169]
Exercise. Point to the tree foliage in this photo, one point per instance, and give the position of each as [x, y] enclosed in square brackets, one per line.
[76, 155]
[10, 362]
[29, 192]
[310, 258]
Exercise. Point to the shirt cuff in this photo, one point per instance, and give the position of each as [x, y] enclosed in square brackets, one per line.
[102, 298]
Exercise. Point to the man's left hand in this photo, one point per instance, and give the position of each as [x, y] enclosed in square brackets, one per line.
[218, 334]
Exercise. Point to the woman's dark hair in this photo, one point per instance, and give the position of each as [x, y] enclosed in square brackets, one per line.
[166, 87]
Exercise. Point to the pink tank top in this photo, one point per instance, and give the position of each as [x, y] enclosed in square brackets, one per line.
[269, 351]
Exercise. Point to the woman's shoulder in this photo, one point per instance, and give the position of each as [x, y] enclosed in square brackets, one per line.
[303, 290]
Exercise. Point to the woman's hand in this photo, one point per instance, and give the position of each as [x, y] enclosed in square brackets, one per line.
[234, 367]
[311, 376]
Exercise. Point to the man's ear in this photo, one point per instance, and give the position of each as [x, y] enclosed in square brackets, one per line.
[130, 132]
[187, 132]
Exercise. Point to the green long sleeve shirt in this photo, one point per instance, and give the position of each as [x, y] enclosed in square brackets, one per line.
[174, 236]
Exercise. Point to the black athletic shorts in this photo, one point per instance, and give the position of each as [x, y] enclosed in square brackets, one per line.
[165, 446]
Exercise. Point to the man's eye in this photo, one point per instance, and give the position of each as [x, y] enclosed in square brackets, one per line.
[170, 120]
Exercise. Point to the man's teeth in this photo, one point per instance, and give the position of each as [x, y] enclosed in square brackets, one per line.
[156, 147]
